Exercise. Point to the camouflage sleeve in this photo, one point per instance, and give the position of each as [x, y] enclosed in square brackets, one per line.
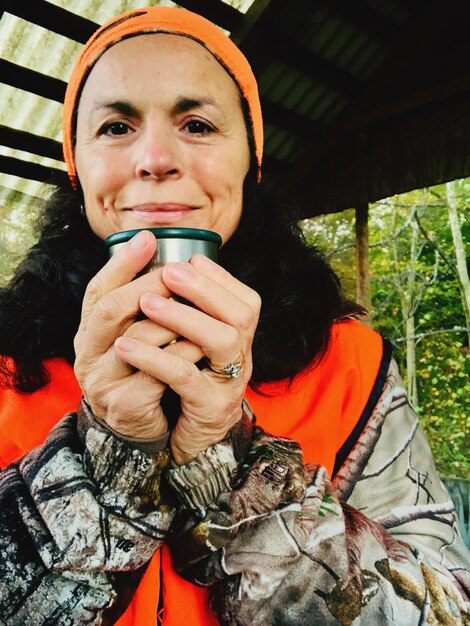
[280, 544]
[80, 517]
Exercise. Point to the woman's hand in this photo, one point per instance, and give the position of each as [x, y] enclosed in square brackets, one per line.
[220, 328]
[128, 400]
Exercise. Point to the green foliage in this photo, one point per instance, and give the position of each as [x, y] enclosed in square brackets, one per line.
[442, 352]
[333, 236]
[16, 233]
[444, 390]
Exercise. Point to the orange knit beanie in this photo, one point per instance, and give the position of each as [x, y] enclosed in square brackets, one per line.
[160, 20]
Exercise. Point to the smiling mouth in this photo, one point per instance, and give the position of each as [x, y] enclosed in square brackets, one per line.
[161, 213]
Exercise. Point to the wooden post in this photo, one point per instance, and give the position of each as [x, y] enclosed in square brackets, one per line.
[362, 257]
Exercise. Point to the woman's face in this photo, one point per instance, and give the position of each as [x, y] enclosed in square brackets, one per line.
[161, 139]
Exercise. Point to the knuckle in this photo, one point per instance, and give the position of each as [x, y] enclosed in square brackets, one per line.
[81, 375]
[107, 308]
[78, 371]
[132, 331]
[81, 370]
[247, 321]
[140, 330]
[230, 340]
[93, 291]
[77, 342]
[255, 302]
[184, 373]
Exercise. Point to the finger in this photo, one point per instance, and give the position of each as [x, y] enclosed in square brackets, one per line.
[223, 278]
[185, 349]
[119, 270]
[115, 312]
[150, 332]
[179, 348]
[240, 309]
[145, 331]
[178, 373]
[219, 341]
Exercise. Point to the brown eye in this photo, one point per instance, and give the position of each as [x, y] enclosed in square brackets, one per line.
[115, 128]
[197, 127]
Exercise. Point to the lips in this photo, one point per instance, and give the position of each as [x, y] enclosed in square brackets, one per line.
[161, 213]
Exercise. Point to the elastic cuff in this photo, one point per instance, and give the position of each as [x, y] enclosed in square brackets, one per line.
[199, 483]
[147, 446]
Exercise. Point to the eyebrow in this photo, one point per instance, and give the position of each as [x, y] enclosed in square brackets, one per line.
[182, 105]
[186, 104]
[121, 106]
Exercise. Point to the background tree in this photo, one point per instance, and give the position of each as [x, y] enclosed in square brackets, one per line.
[461, 261]
[417, 303]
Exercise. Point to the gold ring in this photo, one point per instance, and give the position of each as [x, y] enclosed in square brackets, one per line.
[230, 370]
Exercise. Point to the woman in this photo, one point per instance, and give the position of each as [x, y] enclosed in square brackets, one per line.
[162, 126]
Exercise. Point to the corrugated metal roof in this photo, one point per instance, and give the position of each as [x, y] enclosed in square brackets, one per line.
[331, 73]
[354, 52]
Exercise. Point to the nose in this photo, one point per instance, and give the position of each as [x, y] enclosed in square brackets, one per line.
[158, 155]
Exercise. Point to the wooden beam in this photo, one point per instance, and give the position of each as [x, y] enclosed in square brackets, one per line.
[31, 171]
[266, 41]
[28, 80]
[52, 17]
[308, 62]
[282, 117]
[387, 98]
[423, 147]
[251, 21]
[362, 257]
[366, 19]
[216, 11]
[15, 195]
[410, 100]
[21, 140]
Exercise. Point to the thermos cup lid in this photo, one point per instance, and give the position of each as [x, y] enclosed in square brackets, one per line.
[165, 233]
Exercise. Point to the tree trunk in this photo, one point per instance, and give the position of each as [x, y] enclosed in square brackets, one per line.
[408, 311]
[362, 257]
[405, 279]
[462, 271]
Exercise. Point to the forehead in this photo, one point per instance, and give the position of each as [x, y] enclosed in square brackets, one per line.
[159, 62]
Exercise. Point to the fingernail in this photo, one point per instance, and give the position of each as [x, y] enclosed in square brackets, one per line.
[125, 344]
[203, 262]
[153, 302]
[138, 241]
[179, 271]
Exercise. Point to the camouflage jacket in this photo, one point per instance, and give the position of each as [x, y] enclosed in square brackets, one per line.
[276, 541]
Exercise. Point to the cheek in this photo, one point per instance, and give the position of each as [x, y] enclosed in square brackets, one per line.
[98, 176]
[221, 175]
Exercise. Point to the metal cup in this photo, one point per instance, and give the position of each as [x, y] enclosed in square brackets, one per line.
[173, 244]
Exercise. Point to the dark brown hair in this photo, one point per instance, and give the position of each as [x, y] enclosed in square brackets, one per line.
[40, 308]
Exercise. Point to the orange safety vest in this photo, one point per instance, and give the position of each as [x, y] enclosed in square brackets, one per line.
[325, 409]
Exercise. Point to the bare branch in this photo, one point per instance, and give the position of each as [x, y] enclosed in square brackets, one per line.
[436, 247]
[382, 242]
[435, 332]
